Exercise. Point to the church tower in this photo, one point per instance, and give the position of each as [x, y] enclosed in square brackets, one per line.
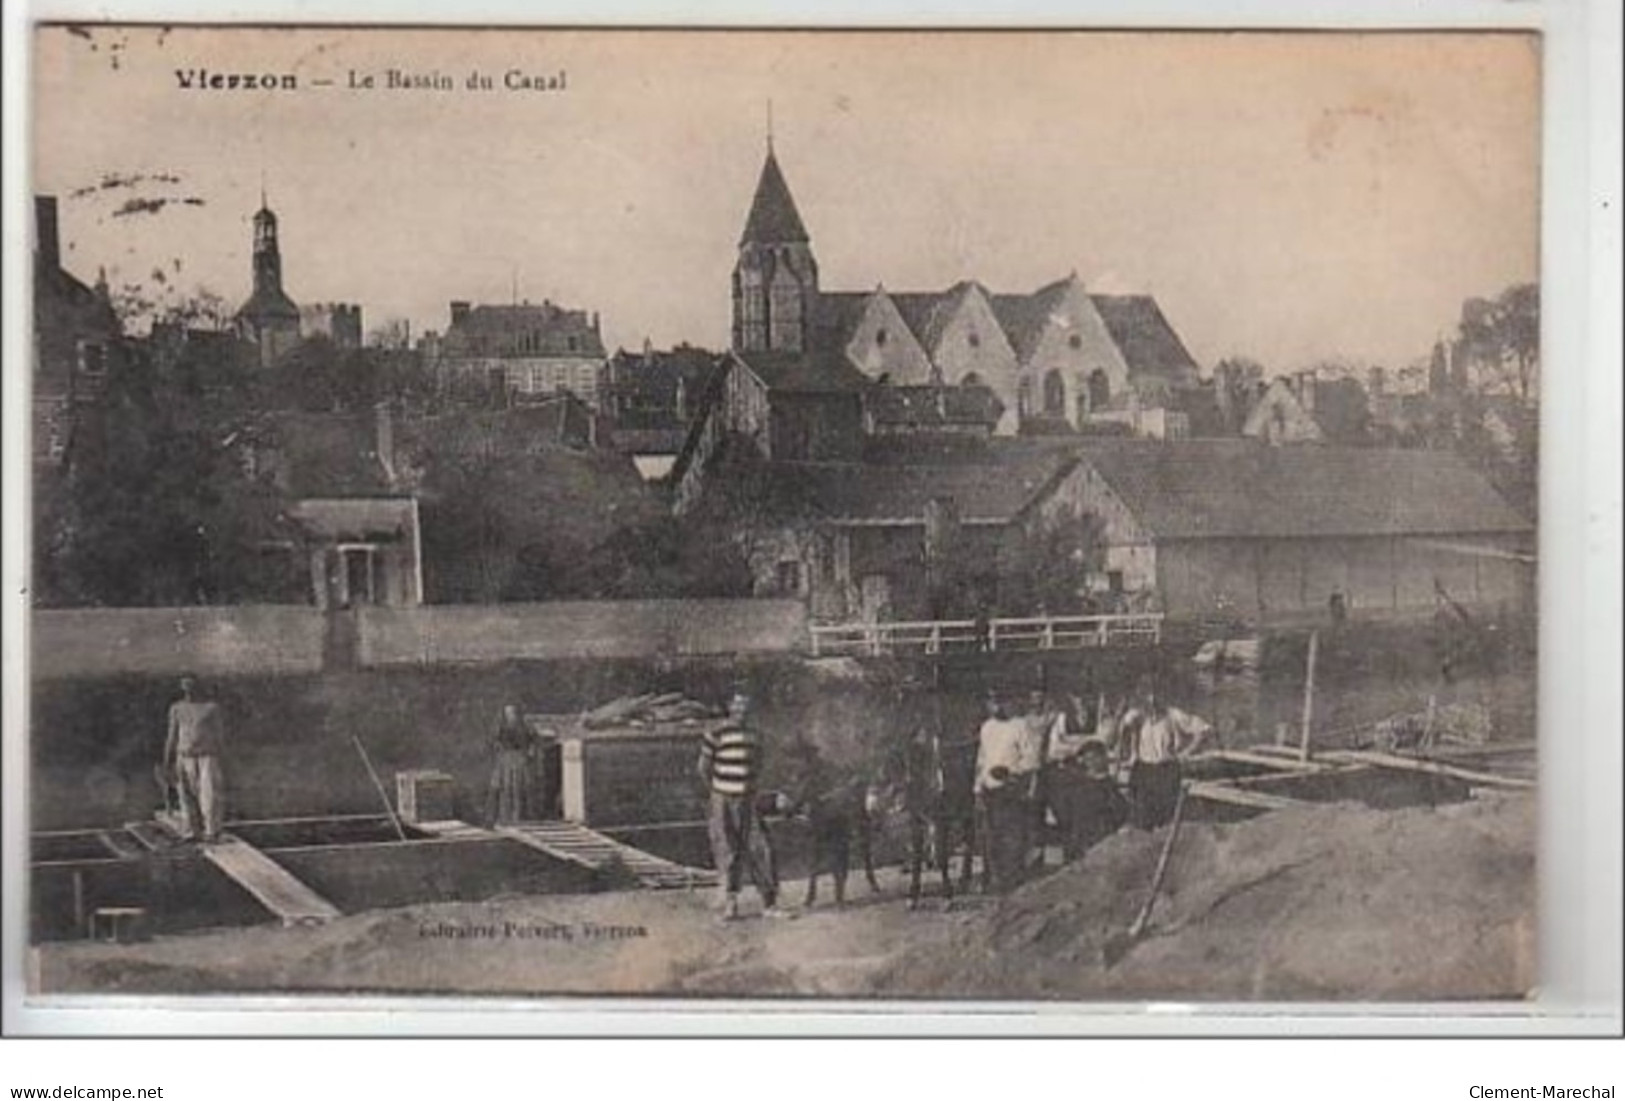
[775, 281]
[267, 255]
[269, 318]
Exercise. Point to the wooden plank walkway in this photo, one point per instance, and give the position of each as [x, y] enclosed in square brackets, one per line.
[580, 845]
[269, 882]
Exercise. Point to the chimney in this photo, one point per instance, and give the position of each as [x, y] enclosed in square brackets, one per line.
[459, 311]
[595, 321]
[47, 243]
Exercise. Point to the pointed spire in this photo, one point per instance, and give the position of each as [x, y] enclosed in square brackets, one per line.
[770, 126]
[773, 217]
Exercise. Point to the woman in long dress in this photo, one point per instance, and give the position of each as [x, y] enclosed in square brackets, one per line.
[509, 799]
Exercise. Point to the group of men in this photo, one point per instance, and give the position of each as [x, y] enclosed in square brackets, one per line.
[1033, 764]
[1041, 762]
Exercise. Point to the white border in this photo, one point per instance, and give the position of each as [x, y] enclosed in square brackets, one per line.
[1580, 918]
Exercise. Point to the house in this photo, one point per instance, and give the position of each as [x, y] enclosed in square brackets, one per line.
[783, 406]
[78, 341]
[339, 322]
[648, 399]
[1304, 408]
[351, 530]
[1242, 529]
[519, 352]
[900, 542]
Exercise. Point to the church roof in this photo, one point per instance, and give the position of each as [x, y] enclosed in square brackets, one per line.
[819, 371]
[1148, 343]
[773, 217]
[269, 302]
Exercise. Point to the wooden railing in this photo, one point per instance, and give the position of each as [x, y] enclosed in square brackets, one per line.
[948, 636]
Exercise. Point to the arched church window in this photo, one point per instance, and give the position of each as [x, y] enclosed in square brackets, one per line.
[971, 379]
[1100, 390]
[1024, 398]
[1054, 394]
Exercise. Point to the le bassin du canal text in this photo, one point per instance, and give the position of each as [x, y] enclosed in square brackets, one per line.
[513, 79]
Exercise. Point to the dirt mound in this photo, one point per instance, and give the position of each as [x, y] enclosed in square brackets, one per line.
[1337, 902]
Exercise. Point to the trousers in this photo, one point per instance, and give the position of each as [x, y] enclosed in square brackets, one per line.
[732, 821]
[203, 794]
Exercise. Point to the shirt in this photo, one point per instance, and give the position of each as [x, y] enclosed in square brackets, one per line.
[1158, 740]
[1007, 744]
[733, 755]
[195, 727]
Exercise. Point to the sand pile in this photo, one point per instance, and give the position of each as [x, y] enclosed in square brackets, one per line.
[1333, 902]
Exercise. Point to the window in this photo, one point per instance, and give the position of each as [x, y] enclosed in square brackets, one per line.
[1100, 390]
[1024, 398]
[1114, 581]
[573, 343]
[971, 379]
[880, 337]
[1074, 341]
[92, 357]
[789, 577]
[1054, 394]
[973, 340]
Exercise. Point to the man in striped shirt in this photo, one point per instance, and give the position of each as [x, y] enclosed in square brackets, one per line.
[730, 764]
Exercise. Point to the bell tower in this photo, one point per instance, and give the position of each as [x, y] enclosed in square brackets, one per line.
[267, 253]
[775, 280]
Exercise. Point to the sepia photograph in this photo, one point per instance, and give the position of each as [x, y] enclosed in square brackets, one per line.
[898, 516]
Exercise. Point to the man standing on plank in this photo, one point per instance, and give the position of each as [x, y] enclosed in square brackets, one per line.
[192, 753]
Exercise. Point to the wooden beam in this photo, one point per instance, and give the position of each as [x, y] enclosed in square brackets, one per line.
[1432, 768]
[269, 882]
[1264, 760]
[1257, 800]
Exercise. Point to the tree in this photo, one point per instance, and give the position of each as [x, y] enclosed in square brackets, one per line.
[1049, 565]
[1501, 337]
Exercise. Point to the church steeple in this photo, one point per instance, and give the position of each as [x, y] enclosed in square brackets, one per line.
[269, 317]
[775, 281]
[267, 253]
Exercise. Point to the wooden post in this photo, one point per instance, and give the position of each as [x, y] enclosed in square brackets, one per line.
[1309, 696]
[79, 928]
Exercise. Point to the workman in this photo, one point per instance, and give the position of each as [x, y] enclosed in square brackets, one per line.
[1006, 766]
[730, 764]
[192, 762]
[1158, 737]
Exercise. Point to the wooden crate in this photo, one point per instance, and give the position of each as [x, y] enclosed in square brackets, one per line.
[425, 795]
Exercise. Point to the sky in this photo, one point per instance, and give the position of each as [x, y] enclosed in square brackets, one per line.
[1288, 197]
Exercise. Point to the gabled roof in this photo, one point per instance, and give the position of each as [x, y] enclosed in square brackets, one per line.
[1024, 316]
[773, 218]
[836, 315]
[821, 370]
[1241, 488]
[1140, 331]
[993, 492]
